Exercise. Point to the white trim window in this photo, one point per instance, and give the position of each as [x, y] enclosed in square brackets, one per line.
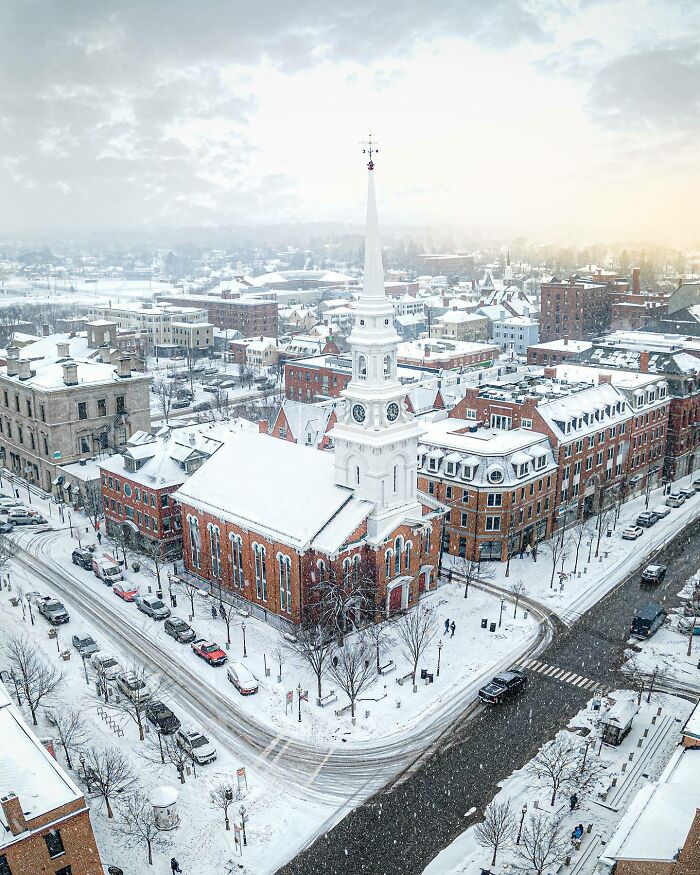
[526, 423]
[215, 550]
[493, 524]
[237, 560]
[398, 550]
[260, 572]
[285, 582]
[407, 560]
[195, 541]
[387, 557]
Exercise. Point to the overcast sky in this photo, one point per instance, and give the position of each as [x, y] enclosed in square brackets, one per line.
[571, 119]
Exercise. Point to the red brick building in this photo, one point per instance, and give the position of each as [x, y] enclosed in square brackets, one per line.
[554, 352]
[251, 315]
[320, 377]
[45, 816]
[577, 309]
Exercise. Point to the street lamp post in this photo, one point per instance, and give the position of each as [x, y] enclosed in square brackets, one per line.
[439, 655]
[243, 820]
[500, 616]
[299, 699]
[522, 820]
[228, 793]
[245, 651]
[31, 613]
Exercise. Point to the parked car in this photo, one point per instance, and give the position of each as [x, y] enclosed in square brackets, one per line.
[687, 491]
[152, 606]
[653, 574]
[696, 485]
[179, 630]
[125, 591]
[646, 519]
[212, 389]
[661, 511]
[180, 404]
[268, 384]
[228, 384]
[83, 558]
[243, 680]
[505, 684]
[27, 519]
[53, 610]
[647, 621]
[85, 645]
[133, 687]
[162, 717]
[197, 746]
[675, 499]
[203, 405]
[209, 652]
[6, 528]
[631, 533]
[106, 569]
[105, 665]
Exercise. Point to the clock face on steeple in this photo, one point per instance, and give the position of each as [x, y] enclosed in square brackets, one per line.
[358, 413]
[392, 411]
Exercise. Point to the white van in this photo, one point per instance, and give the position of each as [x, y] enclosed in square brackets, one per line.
[106, 569]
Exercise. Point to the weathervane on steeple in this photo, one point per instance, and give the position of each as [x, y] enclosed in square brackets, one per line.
[370, 150]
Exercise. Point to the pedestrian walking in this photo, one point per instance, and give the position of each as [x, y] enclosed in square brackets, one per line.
[99, 538]
[528, 549]
[534, 553]
[213, 612]
[222, 612]
[447, 626]
[522, 550]
[174, 866]
[452, 627]
[173, 600]
[573, 799]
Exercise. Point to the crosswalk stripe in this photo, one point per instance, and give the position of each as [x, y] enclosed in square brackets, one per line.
[567, 676]
[314, 774]
[550, 670]
[282, 750]
[582, 682]
[590, 684]
[271, 746]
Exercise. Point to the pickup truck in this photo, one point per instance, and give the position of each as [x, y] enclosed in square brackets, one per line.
[53, 610]
[503, 685]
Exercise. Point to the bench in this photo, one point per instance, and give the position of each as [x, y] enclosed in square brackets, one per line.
[242, 612]
[328, 699]
[292, 639]
[402, 680]
[340, 711]
[388, 667]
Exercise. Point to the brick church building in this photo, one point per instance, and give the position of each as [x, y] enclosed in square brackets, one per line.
[267, 520]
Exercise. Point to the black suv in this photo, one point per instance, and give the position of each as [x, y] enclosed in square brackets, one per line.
[653, 574]
[179, 630]
[162, 718]
[503, 685]
[83, 558]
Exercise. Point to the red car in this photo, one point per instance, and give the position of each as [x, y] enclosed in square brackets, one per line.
[209, 652]
[128, 593]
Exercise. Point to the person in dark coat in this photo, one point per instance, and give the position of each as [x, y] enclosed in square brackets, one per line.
[174, 866]
[99, 537]
[452, 627]
[573, 799]
[214, 615]
[447, 626]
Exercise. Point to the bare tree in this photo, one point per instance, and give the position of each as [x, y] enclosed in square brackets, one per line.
[165, 392]
[602, 522]
[137, 824]
[164, 750]
[415, 631]
[656, 676]
[222, 797]
[149, 685]
[108, 773]
[36, 677]
[341, 601]
[556, 763]
[542, 843]
[92, 501]
[190, 589]
[471, 571]
[151, 553]
[228, 614]
[351, 668]
[634, 676]
[278, 655]
[579, 530]
[122, 541]
[557, 548]
[314, 645]
[496, 829]
[518, 589]
[70, 729]
[8, 550]
[381, 634]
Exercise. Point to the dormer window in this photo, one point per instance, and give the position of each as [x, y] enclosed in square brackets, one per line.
[495, 475]
[433, 464]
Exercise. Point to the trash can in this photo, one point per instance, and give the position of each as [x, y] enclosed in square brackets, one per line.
[492, 627]
[430, 677]
[484, 622]
[423, 673]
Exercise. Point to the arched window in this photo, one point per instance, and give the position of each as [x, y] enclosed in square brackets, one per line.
[321, 571]
[215, 550]
[260, 572]
[388, 564]
[285, 581]
[407, 561]
[195, 542]
[237, 560]
[396, 478]
[357, 474]
[362, 367]
[346, 572]
[387, 366]
[398, 549]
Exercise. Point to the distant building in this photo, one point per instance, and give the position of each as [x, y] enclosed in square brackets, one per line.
[446, 354]
[446, 263]
[515, 334]
[554, 352]
[167, 328]
[575, 308]
[458, 324]
[248, 313]
[256, 352]
[44, 815]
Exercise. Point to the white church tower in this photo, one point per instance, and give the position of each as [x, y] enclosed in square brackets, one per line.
[376, 438]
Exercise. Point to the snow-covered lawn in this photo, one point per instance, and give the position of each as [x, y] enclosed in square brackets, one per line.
[617, 558]
[621, 771]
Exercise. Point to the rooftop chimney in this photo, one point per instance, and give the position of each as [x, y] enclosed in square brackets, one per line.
[24, 369]
[644, 361]
[550, 373]
[566, 340]
[604, 378]
[63, 349]
[13, 814]
[124, 367]
[45, 330]
[12, 361]
[636, 281]
[70, 373]
[262, 426]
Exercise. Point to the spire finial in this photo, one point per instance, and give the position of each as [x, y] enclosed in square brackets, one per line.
[371, 149]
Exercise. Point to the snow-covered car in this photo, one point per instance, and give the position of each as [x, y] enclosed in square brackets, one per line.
[180, 404]
[105, 665]
[687, 491]
[696, 485]
[85, 645]
[653, 574]
[197, 746]
[106, 569]
[6, 528]
[82, 558]
[243, 680]
[209, 652]
[162, 717]
[503, 685]
[125, 591]
[53, 610]
[661, 511]
[178, 629]
[26, 519]
[675, 499]
[646, 519]
[631, 533]
[152, 606]
[133, 687]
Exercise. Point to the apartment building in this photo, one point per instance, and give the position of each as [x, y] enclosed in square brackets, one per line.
[249, 314]
[167, 328]
[575, 308]
[446, 355]
[58, 404]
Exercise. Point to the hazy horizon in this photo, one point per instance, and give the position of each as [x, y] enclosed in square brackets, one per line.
[552, 121]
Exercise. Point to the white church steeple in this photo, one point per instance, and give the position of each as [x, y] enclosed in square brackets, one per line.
[376, 438]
